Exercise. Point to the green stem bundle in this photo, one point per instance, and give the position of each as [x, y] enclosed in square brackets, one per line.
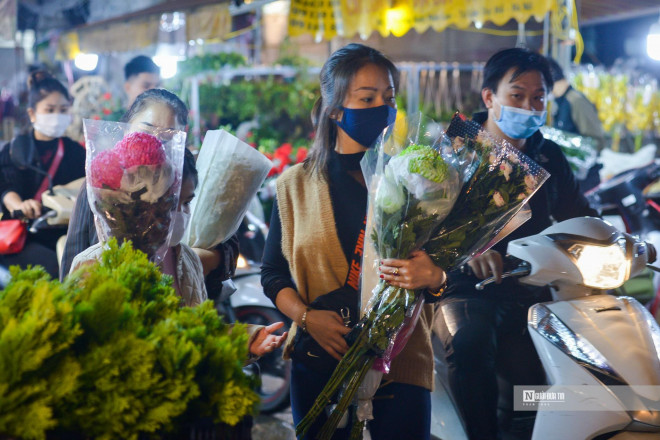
[330, 426]
[376, 329]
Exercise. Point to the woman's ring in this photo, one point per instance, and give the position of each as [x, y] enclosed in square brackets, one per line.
[396, 272]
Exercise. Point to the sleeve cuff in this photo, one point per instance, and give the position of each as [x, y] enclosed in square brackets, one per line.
[273, 288]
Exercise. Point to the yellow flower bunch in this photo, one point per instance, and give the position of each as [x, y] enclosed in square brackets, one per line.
[621, 101]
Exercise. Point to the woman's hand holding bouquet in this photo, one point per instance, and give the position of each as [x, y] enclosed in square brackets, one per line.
[449, 196]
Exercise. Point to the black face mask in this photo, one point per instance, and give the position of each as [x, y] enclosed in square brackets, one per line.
[364, 125]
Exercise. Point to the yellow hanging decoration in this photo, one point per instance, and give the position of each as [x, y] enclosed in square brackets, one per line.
[565, 27]
[326, 19]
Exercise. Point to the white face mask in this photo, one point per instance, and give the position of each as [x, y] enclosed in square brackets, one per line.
[180, 222]
[52, 124]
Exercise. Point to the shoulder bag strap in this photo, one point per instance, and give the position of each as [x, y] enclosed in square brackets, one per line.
[355, 266]
[54, 165]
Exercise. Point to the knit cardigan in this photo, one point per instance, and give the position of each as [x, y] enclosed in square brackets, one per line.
[318, 264]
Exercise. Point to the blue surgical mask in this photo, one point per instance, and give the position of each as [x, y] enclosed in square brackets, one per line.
[364, 125]
[518, 123]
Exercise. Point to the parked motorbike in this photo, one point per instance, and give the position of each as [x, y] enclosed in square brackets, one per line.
[57, 206]
[586, 337]
[57, 202]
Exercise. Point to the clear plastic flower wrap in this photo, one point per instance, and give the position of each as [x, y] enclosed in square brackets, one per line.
[500, 180]
[451, 195]
[230, 174]
[133, 182]
[580, 151]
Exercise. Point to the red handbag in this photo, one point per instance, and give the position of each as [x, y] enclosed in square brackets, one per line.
[12, 236]
[13, 233]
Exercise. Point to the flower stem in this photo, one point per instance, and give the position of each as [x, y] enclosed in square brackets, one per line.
[385, 317]
[345, 400]
[346, 365]
[358, 429]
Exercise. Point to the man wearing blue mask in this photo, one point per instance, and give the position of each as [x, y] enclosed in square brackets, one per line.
[484, 333]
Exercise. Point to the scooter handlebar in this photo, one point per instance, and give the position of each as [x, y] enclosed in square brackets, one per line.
[522, 270]
[37, 223]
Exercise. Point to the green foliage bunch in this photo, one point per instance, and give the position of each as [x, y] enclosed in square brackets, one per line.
[226, 391]
[283, 108]
[209, 62]
[137, 368]
[36, 368]
[135, 361]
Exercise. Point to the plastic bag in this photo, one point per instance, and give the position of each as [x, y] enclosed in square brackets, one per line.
[485, 190]
[133, 182]
[230, 174]
[580, 151]
[411, 191]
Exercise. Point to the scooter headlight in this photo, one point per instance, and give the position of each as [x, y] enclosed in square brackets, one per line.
[554, 330]
[602, 267]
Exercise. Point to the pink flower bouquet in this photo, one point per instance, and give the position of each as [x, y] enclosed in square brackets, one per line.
[133, 183]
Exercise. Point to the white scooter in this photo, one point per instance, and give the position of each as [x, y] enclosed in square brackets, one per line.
[601, 353]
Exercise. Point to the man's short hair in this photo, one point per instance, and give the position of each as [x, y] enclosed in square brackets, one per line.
[555, 70]
[140, 64]
[522, 60]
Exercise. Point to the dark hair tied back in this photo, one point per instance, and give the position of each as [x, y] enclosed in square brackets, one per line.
[40, 85]
[189, 167]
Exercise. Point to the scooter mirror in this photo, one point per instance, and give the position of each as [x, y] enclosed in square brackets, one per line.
[22, 151]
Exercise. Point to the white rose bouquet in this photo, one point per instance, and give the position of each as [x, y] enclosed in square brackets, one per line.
[230, 174]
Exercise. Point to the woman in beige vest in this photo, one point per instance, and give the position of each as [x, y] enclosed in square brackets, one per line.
[317, 218]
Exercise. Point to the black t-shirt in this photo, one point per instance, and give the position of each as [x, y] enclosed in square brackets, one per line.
[349, 205]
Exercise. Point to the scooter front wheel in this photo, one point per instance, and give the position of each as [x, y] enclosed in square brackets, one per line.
[275, 371]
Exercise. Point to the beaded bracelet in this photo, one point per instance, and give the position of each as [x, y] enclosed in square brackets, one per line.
[303, 320]
[440, 289]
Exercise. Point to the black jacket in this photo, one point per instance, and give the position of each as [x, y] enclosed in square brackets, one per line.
[26, 182]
